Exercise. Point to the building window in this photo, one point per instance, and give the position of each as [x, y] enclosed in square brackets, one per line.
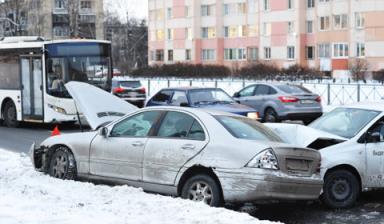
[324, 50]
[253, 31]
[85, 5]
[188, 54]
[310, 53]
[310, 3]
[187, 11]
[323, 1]
[235, 54]
[188, 33]
[291, 52]
[170, 34]
[208, 32]
[252, 6]
[267, 53]
[324, 23]
[340, 21]
[290, 4]
[170, 55]
[253, 54]
[291, 27]
[169, 13]
[340, 50]
[59, 4]
[159, 55]
[266, 29]
[61, 31]
[359, 20]
[208, 54]
[266, 5]
[159, 35]
[206, 10]
[309, 26]
[152, 55]
[360, 49]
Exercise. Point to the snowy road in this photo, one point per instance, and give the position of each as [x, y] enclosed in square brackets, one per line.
[369, 210]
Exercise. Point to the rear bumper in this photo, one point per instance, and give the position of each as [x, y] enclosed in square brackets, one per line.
[271, 186]
[301, 116]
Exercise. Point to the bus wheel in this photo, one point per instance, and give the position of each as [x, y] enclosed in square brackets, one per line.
[10, 115]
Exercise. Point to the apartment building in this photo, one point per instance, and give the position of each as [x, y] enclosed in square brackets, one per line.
[53, 19]
[325, 34]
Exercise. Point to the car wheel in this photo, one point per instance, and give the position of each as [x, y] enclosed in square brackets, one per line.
[202, 188]
[341, 189]
[270, 115]
[63, 164]
[10, 115]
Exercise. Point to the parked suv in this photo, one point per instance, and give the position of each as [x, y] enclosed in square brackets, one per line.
[131, 91]
[277, 102]
[209, 98]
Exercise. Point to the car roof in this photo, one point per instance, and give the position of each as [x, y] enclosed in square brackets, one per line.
[377, 106]
[188, 88]
[196, 111]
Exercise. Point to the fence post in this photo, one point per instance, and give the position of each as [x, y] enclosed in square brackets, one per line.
[216, 84]
[358, 92]
[329, 94]
[243, 83]
[169, 83]
[190, 83]
[149, 87]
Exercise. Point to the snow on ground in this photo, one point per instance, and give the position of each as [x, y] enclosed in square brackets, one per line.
[29, 197]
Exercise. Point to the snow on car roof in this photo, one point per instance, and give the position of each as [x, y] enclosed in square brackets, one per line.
[377, 106]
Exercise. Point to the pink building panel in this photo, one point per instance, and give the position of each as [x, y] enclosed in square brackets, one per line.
[179, 44]
[156, 45]
[198, 44]
[178, 3]
[279, 28]
[209, 44]
[241, 42]
[278, 5]
[178, 9]
[179, 34]
[310, 39]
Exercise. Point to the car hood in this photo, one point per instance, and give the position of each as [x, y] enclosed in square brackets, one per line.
[98, 106]
[304, 136]
[230, 108]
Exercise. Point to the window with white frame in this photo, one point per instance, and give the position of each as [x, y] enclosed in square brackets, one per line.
[359, 20]
[360, 49]
[169, 13]
[169, 34]
[309, 26]
[59, 4]
[170, 55]
[324, 23]
[267, 29]
[188, 33]
[340, 50]
[235, 54]
[206, 10]
[208, 32]
[340, 21]
[208, 54]
[188, 54]
[291, 27]
[267, 53]
[310, 3]
[266, 5]
[187, 11]
[323, 1]
[291, 52]
[253, 30]
[310, 52]
[252, 6]
[253, 54]
[159, 55]
[324, 50]
[290, 4]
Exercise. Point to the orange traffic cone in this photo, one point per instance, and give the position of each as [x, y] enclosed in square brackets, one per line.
[55, 131]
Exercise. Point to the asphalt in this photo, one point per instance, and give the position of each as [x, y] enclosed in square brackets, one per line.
[369, 210]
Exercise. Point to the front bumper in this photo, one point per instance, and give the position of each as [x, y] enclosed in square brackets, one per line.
[39, 157]
[265, 185]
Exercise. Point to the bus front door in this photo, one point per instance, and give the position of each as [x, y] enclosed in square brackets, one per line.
[32, 88]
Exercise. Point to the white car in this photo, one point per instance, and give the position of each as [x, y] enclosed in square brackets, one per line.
[202, 155]
[351, 142]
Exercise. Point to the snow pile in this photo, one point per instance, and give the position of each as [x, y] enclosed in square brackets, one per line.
[27, 196]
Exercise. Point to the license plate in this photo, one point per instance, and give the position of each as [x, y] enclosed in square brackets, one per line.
[307, 101]
[297, 165]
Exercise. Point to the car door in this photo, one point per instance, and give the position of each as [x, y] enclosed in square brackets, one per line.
[120, 155]
[179, 138]
[245, 96]
[259, 98]
[374, 151]
[162, 98]
[179, 98]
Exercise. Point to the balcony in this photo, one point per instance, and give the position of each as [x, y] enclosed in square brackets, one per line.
[60, 11]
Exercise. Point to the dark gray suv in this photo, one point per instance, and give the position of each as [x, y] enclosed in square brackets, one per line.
[276, 102]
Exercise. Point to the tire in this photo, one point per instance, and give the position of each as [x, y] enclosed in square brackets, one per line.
[270, 115]
[10, 115]
[205, 189]
[341, 189]
[63, 164]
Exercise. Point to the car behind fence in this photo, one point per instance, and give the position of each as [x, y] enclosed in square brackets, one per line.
[331, 93]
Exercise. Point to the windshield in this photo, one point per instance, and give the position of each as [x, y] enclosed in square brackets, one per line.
[130, 84]
[209, 96]
[246, 128]
[344, 122]
[292, 89]
[83, 62]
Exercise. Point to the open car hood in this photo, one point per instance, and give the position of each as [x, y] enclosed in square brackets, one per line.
[98, 106]
[304, 136]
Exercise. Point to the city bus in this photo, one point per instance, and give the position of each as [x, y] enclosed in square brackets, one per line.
[33, 73]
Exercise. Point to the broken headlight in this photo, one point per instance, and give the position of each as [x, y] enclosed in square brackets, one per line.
[264, 160]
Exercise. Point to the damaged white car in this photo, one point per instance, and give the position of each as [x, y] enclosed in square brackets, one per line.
[351, 142]
[201, 155]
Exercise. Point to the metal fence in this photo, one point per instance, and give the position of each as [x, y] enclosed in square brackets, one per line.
[331, 93]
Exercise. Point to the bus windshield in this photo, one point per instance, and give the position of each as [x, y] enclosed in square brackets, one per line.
[84, 62]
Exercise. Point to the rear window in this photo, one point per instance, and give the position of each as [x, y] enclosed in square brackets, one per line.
[291, 89]
[162, 96]
[130, 84]
[245, 128]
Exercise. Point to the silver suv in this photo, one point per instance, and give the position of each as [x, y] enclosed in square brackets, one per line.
[277, 102]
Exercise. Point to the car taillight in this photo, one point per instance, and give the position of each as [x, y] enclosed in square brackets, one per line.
[318, 168]
[318, 99]
[142, 90]
[288, 99]
[118, 90]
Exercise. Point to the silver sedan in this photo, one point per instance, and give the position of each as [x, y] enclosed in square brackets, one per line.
[201, 155]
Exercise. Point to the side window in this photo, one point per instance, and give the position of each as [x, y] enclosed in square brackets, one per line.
[272, 91]
[249, 91]
[162, 96]
[262, 90]
[136, 126]
[378, 129]
[180, 125]
[178, 98]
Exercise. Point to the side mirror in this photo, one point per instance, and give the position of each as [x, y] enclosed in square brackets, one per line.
[184, 104]
[236, 95]
[103, 132]
[373, 137]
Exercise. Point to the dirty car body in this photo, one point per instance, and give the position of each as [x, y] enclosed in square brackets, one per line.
[219, 156]
[351, 142]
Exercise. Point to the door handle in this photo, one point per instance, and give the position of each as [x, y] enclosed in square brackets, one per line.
[137, 144]
[188, 147]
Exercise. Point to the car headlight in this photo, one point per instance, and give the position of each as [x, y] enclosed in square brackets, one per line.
[57, 109]
[253, 115]
[264, 160]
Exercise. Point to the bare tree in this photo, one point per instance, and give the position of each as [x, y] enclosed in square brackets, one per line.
[73, 8]
[358, 68]
[11, 9]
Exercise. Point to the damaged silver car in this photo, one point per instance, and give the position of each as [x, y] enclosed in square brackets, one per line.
[202, 155]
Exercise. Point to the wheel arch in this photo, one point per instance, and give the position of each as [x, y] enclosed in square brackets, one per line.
[349, 168]
[52, 149]
[5, 101]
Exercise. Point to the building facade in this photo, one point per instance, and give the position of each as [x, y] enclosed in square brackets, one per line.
[53, 19]
[330, 35]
